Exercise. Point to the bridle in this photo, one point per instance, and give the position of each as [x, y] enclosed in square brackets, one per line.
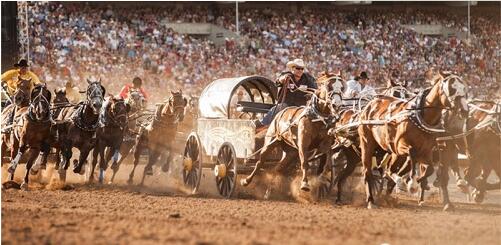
[39, 100]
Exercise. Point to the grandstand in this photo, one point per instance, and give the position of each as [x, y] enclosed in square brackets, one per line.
[183, 44]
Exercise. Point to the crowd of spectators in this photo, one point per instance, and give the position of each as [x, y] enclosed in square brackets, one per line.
[74, 41]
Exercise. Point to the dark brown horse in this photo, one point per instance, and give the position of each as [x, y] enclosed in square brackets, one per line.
[160, 133]
[110, 135]
[298, 131]
[33, 130]
[403, 128]
[77, 127]
[483, 147]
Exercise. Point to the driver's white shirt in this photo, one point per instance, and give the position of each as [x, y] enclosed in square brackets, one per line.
[354, 89]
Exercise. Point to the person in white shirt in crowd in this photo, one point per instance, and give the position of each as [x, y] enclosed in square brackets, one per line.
[358, 87]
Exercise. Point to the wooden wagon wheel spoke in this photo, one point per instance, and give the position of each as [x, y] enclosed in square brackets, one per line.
[192, 163]
[225, 170]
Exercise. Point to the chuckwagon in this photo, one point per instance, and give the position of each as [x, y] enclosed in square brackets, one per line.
[225, 138]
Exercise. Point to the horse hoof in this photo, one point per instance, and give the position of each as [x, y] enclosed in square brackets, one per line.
[448, 207]
[244, 182]
[11, 170]
[478, 197]
[34, 171]
[130, 182]
[24, 186]
[114, 167]
[165, 168]
[371, 205]
[339, 202]
[305, 186]
[421, 203]
[267, 194]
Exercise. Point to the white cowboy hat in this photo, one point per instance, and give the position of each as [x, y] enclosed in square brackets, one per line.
[294, 63]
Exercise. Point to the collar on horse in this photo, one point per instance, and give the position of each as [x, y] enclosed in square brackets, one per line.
[77, 117]
[418, 120]
[113, 119]
[315, 115]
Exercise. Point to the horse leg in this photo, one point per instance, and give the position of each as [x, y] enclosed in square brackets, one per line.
[15, 155]
[281, 168]
[265, 152]
[426, 171]
[33, 153]
[95, 156]
[368, 146]
[443, 175]
[165, 167]
[303, 144]
[66, 154]
[103, 162]
[114, 165]
[137, 153]
[84, 153]
[148, 170]
[351, 164]
[41, 161]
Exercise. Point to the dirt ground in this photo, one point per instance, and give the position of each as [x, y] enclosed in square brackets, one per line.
[161, 213]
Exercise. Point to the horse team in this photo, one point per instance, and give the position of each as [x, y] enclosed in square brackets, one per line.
[98, 124]
[399, 140]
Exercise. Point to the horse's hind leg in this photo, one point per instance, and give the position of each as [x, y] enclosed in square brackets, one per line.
[152, 159]
[33, 153]
[368, 146]
[265, 153]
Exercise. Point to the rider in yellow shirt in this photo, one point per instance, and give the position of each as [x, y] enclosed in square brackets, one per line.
[10, 77]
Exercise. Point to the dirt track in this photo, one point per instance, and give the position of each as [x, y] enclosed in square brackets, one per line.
[161, 213]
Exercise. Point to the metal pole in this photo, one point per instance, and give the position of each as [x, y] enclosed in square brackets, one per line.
[469, 20]
[27, 32]
[236, 17]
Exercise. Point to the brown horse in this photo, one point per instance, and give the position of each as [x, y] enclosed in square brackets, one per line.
[160, 133]
[403, 128]
[58, 103]
[483, 147]
[111, 134]
[77, 127]
[33, 131]
[299, 130]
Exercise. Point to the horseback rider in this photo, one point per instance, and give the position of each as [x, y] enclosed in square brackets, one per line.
[10, 80]
[292, 93]
[136, 85]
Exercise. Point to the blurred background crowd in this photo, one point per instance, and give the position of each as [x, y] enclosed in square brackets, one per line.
[73, 41]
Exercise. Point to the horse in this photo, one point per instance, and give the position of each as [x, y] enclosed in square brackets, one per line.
[58, 103]
[482, 146]
[77, 127]
[299, 130]
[15, 110]
[403, 128]
[33, 131]
[191, 116]
[137, 115]
[111, 134]
[159, 134]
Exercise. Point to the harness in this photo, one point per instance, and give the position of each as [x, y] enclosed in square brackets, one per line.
[31, 107]
[77, 116]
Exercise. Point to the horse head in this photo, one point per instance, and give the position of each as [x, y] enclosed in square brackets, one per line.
[40, 102]
[453, 94]
[22, 93]
[118, 110]
[60, 97]
[331, 87]
[136, 100]
[176, 106]
[95, 95]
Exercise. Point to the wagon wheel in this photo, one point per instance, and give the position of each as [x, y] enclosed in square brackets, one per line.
[326, 180]
[192, 163]
[226, 170]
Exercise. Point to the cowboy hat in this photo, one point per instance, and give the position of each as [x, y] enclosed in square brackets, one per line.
[21, 63]
[295, 63]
